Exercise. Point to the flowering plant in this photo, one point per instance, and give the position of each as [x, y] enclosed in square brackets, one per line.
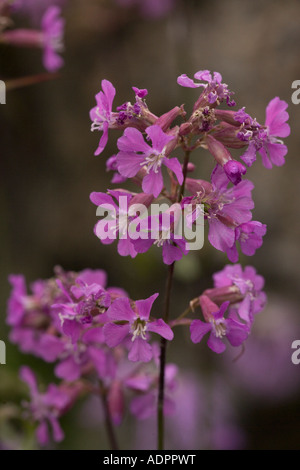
[99, 339]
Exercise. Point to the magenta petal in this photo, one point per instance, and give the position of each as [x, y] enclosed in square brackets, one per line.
[233, 254]
[185, 81]
[103, 139]
[109, 91]
[51, 60]
[198, 329]
[72, 329]
[121, 310]
[28, 377]
[42, 433]
[215, 344]
[219, 178]
[129, 163]
[171, 253]
[115, 334]
[277, 153]
[103, 199]
[205, 75]
[50, 347]
[55, 397]
[68, 369]
[132, 141]
[139, 382]
[175, 166]
[93, 276]
[153, 183]
[140, 350]
[126, 247]
[220, 236]
[276, 117]
[265, 158]
[98, 358]
[144, 306]
[161, 328]
[245, 309]
[237, 333]
[249, 156]
[143, 406]
[158, 137]
[220, 313]
[58, 434]
[141, 245]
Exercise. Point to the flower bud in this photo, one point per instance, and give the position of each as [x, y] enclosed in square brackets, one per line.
[166, 119]
[218, 150]
[234, 171]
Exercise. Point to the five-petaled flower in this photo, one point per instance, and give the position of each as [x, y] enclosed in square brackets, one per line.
[45, 408]
[136, 155]
[219, 327]
[264, 139]
[130, 323]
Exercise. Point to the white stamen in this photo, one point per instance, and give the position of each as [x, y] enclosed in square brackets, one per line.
[153, 162]
[139, 329]
[220, 329]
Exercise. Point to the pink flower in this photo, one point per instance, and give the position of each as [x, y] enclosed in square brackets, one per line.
[135, 154]
[264, 139]
[219, 327]
[250, 285]
[225, 207]
[214, 91]
[45, 408]
[53, 31]
[127, 321]
[161, 230]
[102, 115]
[50, 38]
[249, 236]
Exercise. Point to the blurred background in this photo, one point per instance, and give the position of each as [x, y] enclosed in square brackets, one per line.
[48, 170]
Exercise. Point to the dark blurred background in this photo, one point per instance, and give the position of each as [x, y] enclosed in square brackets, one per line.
[48, 171]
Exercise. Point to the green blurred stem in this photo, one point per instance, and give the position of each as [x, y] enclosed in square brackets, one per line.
[163, 343]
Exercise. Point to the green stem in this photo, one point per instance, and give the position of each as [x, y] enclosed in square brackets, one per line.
[163, 344]
[163, 350]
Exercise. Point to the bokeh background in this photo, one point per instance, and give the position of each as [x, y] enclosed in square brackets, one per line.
[48, 170]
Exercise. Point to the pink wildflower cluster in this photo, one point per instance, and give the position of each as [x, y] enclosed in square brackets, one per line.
[100, 340]
[93, 333]
[145, 156]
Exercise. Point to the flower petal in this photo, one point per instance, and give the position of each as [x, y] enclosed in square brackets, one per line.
[216, 344]
[175, 166]
[120, 310]
[198, 329]
[153, 183]
[161, 328]
[115, 334]
[185, 81]
[144, 306]
[140, 350]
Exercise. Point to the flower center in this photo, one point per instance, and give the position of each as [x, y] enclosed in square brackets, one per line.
[138, 328]
[219, 328]
[153, 162]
